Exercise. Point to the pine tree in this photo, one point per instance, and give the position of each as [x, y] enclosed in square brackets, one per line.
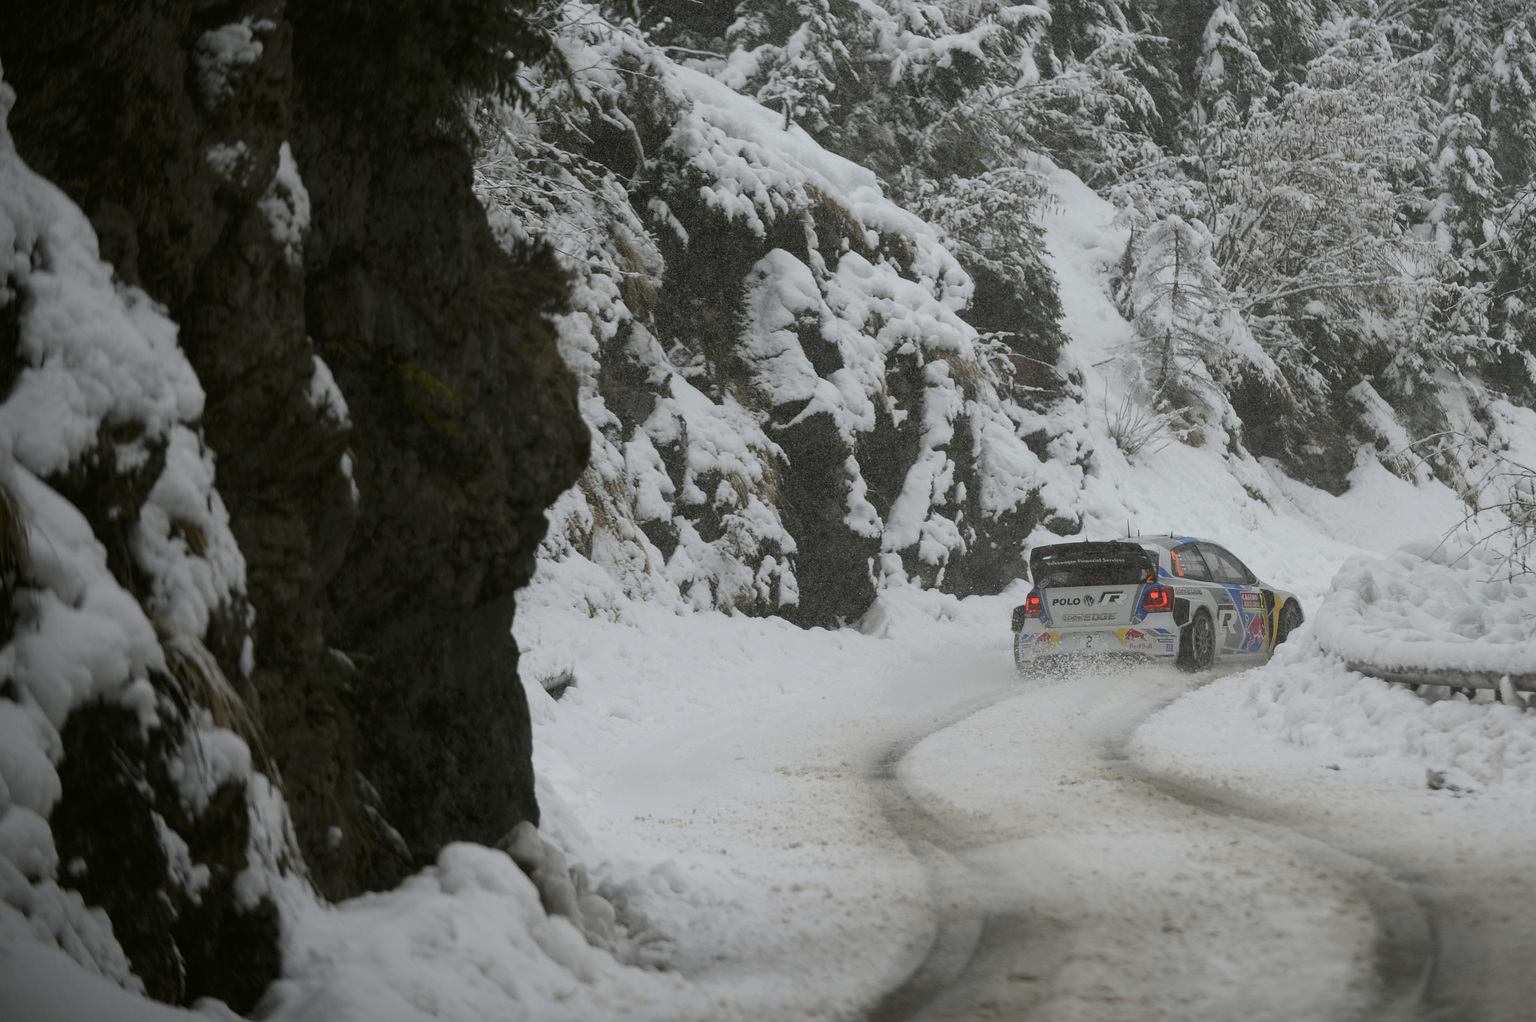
[1478, 183]
[1190, 341]
[1288, 35]
[1229, 71]
[800, 62]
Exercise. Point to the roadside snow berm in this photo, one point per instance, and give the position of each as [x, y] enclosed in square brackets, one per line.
[1452, 614]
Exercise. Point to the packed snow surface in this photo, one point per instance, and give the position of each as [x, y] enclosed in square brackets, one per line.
[1174, 913]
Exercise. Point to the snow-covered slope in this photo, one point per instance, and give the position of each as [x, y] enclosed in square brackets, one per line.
[788, 404]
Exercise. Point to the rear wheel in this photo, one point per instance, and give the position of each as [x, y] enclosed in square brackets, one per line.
[1024, 669]
[1290, 620]
[1197, 643]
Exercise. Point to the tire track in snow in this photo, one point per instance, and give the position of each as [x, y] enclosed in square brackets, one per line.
[968, 936]
[976, 945]
[973, 942]
[1406, 946]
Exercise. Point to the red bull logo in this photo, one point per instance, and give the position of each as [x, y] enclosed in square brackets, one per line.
[1256, 632]
[1131, 635]
[1045, 637]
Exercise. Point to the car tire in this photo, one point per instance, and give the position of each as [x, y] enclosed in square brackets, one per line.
[1197, 643]
[1290, 620]
[1030, 670]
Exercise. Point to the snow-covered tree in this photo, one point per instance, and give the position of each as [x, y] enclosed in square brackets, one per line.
[1229, 70]
[1478, 178]
[795, 57]
[1304, 200]
[1191, 344]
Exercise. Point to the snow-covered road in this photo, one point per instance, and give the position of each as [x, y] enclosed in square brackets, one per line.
[838, 826]
[1118, 899]
[1076, 877]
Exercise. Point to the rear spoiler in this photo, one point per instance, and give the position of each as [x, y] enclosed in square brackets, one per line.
[1111, 550]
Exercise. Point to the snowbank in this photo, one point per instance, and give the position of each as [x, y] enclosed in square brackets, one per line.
[1306, 710]
[1449, 607]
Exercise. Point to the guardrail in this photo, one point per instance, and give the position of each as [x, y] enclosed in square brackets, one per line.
[1508, 686]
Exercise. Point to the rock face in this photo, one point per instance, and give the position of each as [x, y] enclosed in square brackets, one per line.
[465, 430]
[792, 397]
[388, 411]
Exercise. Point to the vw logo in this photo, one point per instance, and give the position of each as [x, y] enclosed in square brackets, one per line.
[1088, 600]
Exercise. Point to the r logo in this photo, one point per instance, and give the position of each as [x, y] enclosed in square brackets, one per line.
[1229, 619]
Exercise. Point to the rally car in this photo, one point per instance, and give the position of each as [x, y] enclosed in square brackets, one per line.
[1168, 598]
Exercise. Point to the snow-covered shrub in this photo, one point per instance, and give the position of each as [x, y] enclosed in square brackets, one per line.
[1192, 345]
[1134, 426]
[1492, 460]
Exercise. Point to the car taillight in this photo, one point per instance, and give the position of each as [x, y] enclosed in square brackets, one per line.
[1156, 599]
[1033, 606]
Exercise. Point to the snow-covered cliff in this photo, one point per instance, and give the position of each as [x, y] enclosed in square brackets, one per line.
[130, 767]
[789, 403]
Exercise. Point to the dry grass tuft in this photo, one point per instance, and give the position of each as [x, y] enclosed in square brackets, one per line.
[969, 373]
[852, 227]
[192, 535]
[636, 285]
[202, 683]
[1134, 427]
[15, 564]
[773, 475]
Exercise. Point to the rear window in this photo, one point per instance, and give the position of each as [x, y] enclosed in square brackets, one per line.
[1090, 564]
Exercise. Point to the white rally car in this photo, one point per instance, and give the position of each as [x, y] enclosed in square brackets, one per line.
[1171, 598]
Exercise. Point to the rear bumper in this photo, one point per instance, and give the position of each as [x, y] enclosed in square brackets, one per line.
[1147, 642]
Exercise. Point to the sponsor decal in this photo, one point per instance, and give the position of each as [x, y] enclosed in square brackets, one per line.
[1168, 647]
[1062, 601]
[1256, 631]
[1252, 601]
[1160, 631]
[1111, 598]
[1045, 637]
[1089, 617]
[1131, 635]
[1188, 591]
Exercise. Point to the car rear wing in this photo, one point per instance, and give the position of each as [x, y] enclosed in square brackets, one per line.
[1091, 563]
